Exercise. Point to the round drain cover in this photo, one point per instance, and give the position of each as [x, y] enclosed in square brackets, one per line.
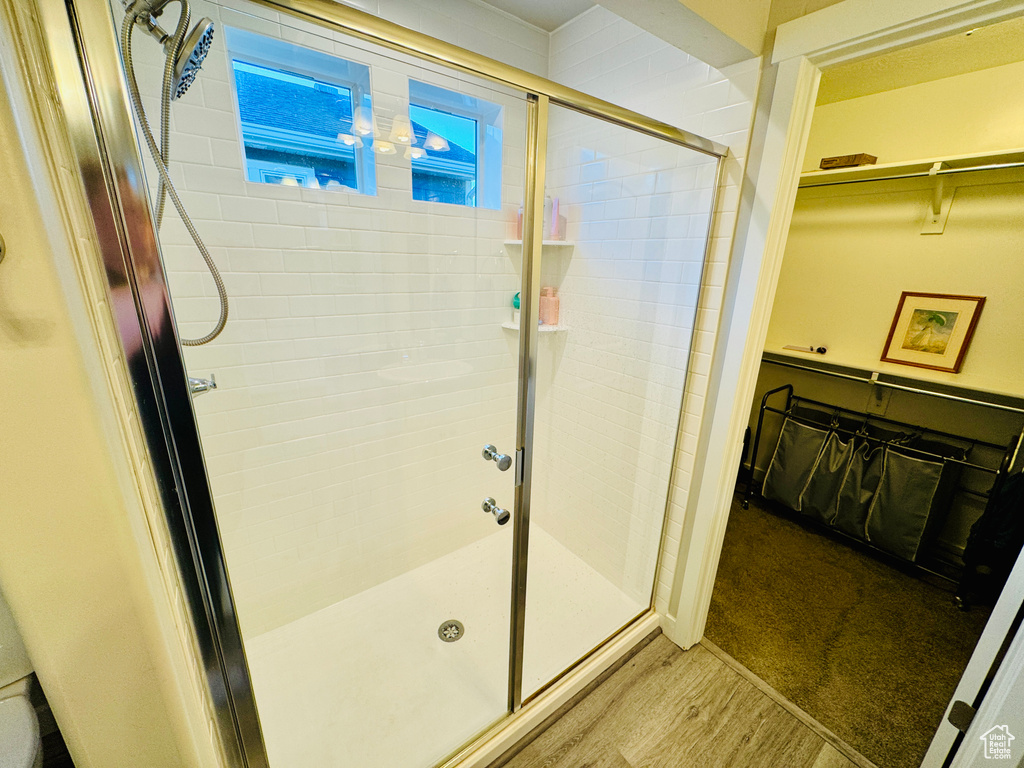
[451, 630]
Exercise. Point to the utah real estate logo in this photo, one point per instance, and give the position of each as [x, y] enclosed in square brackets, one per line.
[997, 743]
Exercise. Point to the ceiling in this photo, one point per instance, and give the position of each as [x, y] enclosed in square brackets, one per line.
[549, 15]
[984, 47]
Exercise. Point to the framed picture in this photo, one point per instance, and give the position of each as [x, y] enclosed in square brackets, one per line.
[932, 330]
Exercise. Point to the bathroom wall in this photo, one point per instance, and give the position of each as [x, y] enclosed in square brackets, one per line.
[602, 54]
[364, 364]
[472, 25]
[315, 448]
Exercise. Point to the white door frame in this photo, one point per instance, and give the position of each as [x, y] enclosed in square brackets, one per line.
[850, 30]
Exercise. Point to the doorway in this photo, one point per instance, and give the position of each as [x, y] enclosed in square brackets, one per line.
[850, 245]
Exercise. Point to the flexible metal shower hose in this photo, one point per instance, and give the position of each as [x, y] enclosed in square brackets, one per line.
[161, 154]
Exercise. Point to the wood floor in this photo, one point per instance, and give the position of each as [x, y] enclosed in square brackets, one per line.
[666, 708]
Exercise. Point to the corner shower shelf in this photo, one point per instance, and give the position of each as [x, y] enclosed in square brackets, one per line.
[541, 328]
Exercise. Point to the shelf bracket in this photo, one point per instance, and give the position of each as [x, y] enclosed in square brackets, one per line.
[941, 202]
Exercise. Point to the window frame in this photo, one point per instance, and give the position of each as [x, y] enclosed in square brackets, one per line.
[259, 50]
[489, 119]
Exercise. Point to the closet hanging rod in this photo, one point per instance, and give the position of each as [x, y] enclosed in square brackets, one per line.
[878, 418]
[914, 175]
[866, 378]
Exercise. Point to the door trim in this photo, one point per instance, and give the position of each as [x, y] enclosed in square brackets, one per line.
[533, 238]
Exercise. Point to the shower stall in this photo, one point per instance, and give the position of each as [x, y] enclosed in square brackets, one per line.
[403, 506]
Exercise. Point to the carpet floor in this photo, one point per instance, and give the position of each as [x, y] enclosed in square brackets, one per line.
[872, 653]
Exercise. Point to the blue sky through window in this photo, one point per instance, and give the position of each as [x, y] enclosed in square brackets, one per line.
[445, 174]
[454, 128]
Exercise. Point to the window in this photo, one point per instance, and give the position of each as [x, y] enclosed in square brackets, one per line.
[300, 112]
[456, 156]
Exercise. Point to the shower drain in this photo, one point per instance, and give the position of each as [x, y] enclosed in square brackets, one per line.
[451, 630]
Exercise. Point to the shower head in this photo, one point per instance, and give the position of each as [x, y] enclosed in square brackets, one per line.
[190, 57]
[194, 47]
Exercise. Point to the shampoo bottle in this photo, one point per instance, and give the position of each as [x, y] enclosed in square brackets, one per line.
[549, 306]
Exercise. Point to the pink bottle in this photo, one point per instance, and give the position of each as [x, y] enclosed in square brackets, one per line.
[549, 306]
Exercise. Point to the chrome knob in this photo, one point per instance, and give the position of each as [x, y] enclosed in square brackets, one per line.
[503, 460]
[491, 506]
[197, 386]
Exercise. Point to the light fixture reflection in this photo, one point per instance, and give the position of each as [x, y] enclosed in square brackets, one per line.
[401, 131]
[385, 148]
[349, 140]
[435, 143]
[415, 153]
[362, 121]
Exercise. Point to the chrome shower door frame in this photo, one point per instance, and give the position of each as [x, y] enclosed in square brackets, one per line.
[83, 50]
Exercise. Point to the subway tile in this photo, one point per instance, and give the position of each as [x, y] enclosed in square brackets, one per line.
[334, 292]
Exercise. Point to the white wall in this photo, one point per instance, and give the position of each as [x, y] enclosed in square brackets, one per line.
[971, 113]
[470, 24]
[602, 54]
[854, 249]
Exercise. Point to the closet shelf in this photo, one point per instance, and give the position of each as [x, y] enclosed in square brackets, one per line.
[914, 168]
[1004, 401]
[541, 328]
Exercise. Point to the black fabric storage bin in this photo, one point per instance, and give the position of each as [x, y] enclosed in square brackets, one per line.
[795, 456]
[807, 413]
[902, 503]
[820, 496]
[951, 472]
[858, 490]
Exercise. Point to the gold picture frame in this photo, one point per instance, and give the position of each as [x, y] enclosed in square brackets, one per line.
[932, 330]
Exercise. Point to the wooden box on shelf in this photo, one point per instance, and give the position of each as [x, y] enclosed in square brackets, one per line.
[847, 161]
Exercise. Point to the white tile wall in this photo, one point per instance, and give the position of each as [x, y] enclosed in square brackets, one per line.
[363, 365]
[608, 406]
[604, 55]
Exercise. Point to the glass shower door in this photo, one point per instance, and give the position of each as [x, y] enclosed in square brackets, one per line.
[357, 202]
[621, 273]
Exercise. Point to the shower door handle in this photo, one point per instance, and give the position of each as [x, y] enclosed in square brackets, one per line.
[491, 506]
[503, 460]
